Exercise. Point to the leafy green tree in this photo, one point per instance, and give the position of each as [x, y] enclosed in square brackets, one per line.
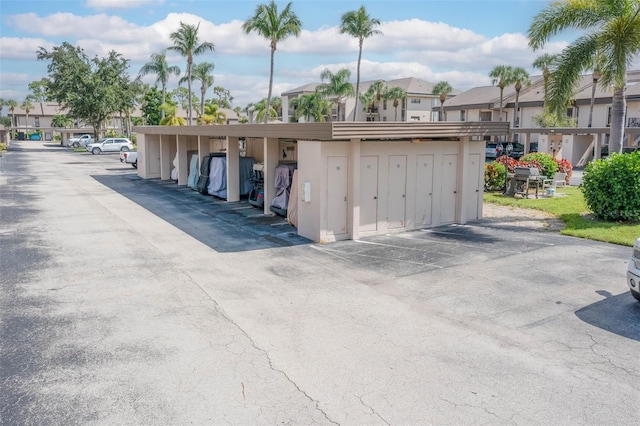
[186, 43]
[5, 121]
[38, 90]
[203, 73]
[612, 31]
[91, 90]
[311, 106]
[2, 104]
[152, 107]
[520, 77]
[443, 88]
[358, 24]
[396, 94]
[548, 119]
[180, 95]
[337, 86]
[61, 120]
[161, 69]
[222, 97]
[275, 27]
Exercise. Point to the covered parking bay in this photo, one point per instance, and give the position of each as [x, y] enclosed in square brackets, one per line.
[354, 179]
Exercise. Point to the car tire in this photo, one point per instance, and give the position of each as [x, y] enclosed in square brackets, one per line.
[95, 151]
[135, 164]
[76, 145]
[124, 149]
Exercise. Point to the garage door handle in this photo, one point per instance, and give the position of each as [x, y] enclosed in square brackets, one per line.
[375, 198]
[455, 192]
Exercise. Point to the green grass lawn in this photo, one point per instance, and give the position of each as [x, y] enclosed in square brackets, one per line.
[572, 210]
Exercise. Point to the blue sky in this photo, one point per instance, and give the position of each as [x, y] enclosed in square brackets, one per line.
[459, 41]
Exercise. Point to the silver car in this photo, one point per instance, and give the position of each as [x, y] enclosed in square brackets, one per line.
[110, 145]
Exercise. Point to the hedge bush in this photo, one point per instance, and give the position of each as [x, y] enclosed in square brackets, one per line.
[494, 176]
[548, 164]
[611, 187]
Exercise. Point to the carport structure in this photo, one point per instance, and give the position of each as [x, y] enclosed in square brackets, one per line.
[354, 179]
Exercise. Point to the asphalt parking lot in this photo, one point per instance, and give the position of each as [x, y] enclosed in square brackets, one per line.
[125, 301]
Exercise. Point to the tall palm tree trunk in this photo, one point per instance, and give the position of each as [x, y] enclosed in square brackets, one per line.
[268, 110]
[595, 78]
[515, 110]
[355, 107]
[189, 86]
[164, 99]
[500, 104]
[203, 92]
[618, 108]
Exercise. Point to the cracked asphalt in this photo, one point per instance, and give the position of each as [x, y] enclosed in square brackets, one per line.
[130, 302]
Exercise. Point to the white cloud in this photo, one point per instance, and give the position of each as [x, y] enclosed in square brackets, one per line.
[21, 48]
[119, 4]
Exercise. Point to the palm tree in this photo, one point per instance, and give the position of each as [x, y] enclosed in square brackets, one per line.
[185, 42]
[162, 70]
[61, 120]
[171, 115]
[27, 106]
[12, 104]
[275, 27]
[337, 86]
[595, 76]
[368, 100]
[379, 91]
[396, 94]
[311, 106]
[612, 28]
[545, 63]
[260, 109]
[358, 24]
[502, 76]
[212, 114]
[443, 88]
[520, 77]
[203, 73]
[276, 103]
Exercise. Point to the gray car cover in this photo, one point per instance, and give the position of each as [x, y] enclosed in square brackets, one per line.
[194, 173]
[218, 176]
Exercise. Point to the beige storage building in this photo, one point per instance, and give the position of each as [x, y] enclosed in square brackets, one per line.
[353, 179]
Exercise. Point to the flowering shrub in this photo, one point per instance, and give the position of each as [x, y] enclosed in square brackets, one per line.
[547, 165]
[494, 176]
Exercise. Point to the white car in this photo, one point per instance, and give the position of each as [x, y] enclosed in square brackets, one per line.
[82, 140]
[110, 145]
[633, 272]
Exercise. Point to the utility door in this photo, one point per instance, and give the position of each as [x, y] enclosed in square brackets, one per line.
[424, 189]
[337, 195]
[449, 188]
[472, 187]
[396, 210]
[369, 193]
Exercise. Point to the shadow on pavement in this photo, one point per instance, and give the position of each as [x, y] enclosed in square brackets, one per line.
[617, 314]
[223, 226]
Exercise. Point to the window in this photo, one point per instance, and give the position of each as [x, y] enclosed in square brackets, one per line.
[384, 104]
[384, 118]
[37, 121]
[415, 101]
[608, 116]
[463, 115]
[415, 118]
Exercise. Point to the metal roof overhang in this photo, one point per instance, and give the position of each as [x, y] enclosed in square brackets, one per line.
[336, 131]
